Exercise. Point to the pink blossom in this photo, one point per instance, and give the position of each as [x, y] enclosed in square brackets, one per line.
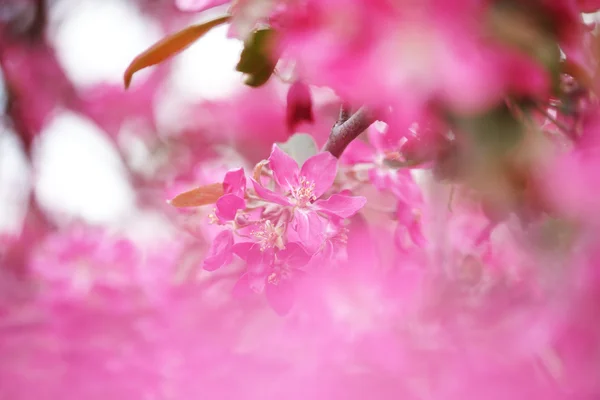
[273, 270]
[84, 262]
[378, 159]
[301, 190]
[384, 176]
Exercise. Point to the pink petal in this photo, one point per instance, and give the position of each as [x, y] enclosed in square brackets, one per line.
[294, 255]
[285, 169]
[281, 296]
[198, 5]
[256, 282]
[341, 205]
[402, 238]
[416, 234]
[220, 253]
[320, 169]
[309, 227]
[588, 6]
[235, 182]
[241, 289]
[380, 179]
[259, 262]
[269, 195]
[377, 138]
[361, 242]
[327, 253]
[227, 207]
[242, 249]
[357, 152]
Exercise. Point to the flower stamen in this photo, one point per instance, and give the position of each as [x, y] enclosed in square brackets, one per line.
[269, 236]
[304, 193]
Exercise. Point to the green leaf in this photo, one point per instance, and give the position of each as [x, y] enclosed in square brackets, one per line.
[258, 60]
[496, 131]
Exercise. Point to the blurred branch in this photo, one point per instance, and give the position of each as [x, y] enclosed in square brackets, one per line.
[22, 37]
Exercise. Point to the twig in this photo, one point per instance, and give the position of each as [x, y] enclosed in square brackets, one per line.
[345, 112]
[345, 131]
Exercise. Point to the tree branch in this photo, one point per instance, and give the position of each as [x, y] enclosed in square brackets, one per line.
[348, 129]
[345, 113]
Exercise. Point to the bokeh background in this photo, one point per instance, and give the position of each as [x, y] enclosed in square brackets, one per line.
[86, 148]
[84, 161]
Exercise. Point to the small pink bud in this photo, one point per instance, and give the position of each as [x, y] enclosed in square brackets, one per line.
[299, 105]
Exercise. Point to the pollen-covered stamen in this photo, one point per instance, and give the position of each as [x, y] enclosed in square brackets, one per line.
[212, 217]
[280, 272]
[304, 193]
[269, 236]
[341, 236]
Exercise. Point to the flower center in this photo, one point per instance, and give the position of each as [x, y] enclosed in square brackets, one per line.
[269, 236]
[280, 272]
[304, 193]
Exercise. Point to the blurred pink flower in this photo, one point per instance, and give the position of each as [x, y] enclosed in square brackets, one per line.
[272, 269]
[198, 5]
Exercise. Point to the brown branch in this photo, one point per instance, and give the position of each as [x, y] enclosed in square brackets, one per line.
[345, 131]
[345, 113]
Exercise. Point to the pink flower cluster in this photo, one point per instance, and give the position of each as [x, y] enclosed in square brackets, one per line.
[281, 224]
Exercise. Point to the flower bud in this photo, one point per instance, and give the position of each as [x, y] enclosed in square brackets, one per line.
[299, 105]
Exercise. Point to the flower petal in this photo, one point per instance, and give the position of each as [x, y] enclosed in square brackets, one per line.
[309, 227]
[220, 253]
[235, 182]
[281, 296]
[242, 249]
[256, 283]
[269, 195]
[320, 169]
[357, 152]
[258, 262]
[198, 5]
[285, 169]
[381, 139]
[227, 206]
[341, 205]
[294, 255]
[241, 289]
